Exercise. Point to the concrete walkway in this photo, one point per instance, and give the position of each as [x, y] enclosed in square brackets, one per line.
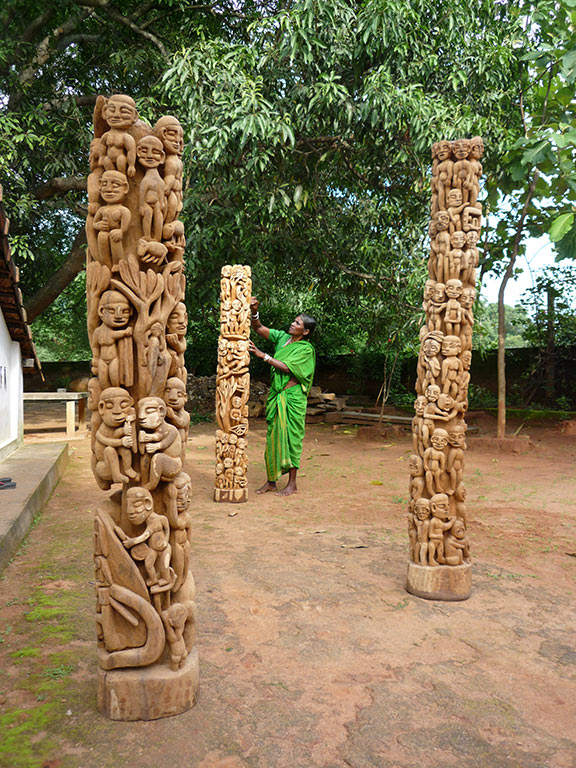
[36, 468]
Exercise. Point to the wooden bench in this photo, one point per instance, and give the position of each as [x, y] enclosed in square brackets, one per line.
[70, 398]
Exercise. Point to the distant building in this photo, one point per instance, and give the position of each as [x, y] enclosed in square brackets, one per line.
[17, 351]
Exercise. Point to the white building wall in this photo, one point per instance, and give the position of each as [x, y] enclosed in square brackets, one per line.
[11, 388]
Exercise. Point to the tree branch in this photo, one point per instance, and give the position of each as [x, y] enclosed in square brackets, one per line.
[60, 279]
[60, 186]
[104, 5]
[42, 53]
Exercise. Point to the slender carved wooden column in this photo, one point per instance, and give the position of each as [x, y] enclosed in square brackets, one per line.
[137, 328]
[439, 566]
[233, 384]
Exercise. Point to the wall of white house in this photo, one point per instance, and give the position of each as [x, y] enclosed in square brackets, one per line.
[11, 388]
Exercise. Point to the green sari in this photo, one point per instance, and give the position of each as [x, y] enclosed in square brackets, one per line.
[286, 408]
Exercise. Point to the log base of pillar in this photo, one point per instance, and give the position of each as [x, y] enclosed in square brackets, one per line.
[234, 495]
[148, 693]
[440, 582]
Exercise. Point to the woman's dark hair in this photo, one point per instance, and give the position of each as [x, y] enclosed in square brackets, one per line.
[309, 323]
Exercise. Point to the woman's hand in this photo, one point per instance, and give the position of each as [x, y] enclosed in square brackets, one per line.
[254, 304]
[254, 349]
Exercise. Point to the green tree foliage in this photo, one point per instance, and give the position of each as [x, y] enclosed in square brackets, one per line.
[518, 326]
[308, 126]
[310, 149]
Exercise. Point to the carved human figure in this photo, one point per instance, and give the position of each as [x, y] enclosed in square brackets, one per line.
[160, 440]
[441, 245]
[436, 307]
[467, 300]
[432, 394]
[151, 546]
[431, 346]
[441, 521]
[422, 522]
[151, 192]
[462, 178]
[110, 358]
[169, 131]
[114, 440]
[177, 503]
[456, 256]
[175, 397]
[451, 365]
[466, 358]
[435, 461]
[111, 221]
[175, 619]
[455, 208]
[476, 152]
[176, 338]
[417, 480]
[458, 503]
[453, 309]
[118, 146]
[445, 171]
[155, 360]
[419, 436]
[456, 546]
[471, 258]
[432, 232]
[429, 286]
[455, 458]
[444, 409]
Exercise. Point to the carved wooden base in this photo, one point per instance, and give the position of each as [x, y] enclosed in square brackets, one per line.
[235, 495]
[440, 582]
[148, 693]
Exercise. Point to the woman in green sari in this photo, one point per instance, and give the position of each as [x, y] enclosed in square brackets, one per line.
[291, 378]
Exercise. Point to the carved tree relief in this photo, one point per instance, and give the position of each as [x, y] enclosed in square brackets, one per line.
[233, 384]
[439, 547]
[137, 328]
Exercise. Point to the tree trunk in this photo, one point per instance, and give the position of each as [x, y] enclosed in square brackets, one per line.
[550, 352]
[60, 279]
[501, 427]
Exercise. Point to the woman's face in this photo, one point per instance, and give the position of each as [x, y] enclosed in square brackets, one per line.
[297, 327]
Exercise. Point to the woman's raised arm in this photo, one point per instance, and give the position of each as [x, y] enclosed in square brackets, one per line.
[257, 326]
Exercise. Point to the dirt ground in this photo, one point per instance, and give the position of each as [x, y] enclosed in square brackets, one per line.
[312, 653]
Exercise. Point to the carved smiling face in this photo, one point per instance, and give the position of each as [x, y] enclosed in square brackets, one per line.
[461, 148]
[114, 309]
[150, 152]
[422, 509]
[120, 111]
[113, 187]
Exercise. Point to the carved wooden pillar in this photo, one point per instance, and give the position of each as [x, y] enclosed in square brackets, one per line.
[137, 328]
[439, 566]
[233, 385]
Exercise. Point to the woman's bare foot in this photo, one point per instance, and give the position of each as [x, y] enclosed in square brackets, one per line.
[268, 486]
[288, 491]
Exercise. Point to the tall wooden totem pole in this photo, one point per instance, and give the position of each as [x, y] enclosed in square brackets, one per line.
[148, 664]
[439, 566]
[233, 384]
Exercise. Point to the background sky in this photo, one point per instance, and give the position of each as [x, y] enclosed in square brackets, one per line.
[539, 254]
